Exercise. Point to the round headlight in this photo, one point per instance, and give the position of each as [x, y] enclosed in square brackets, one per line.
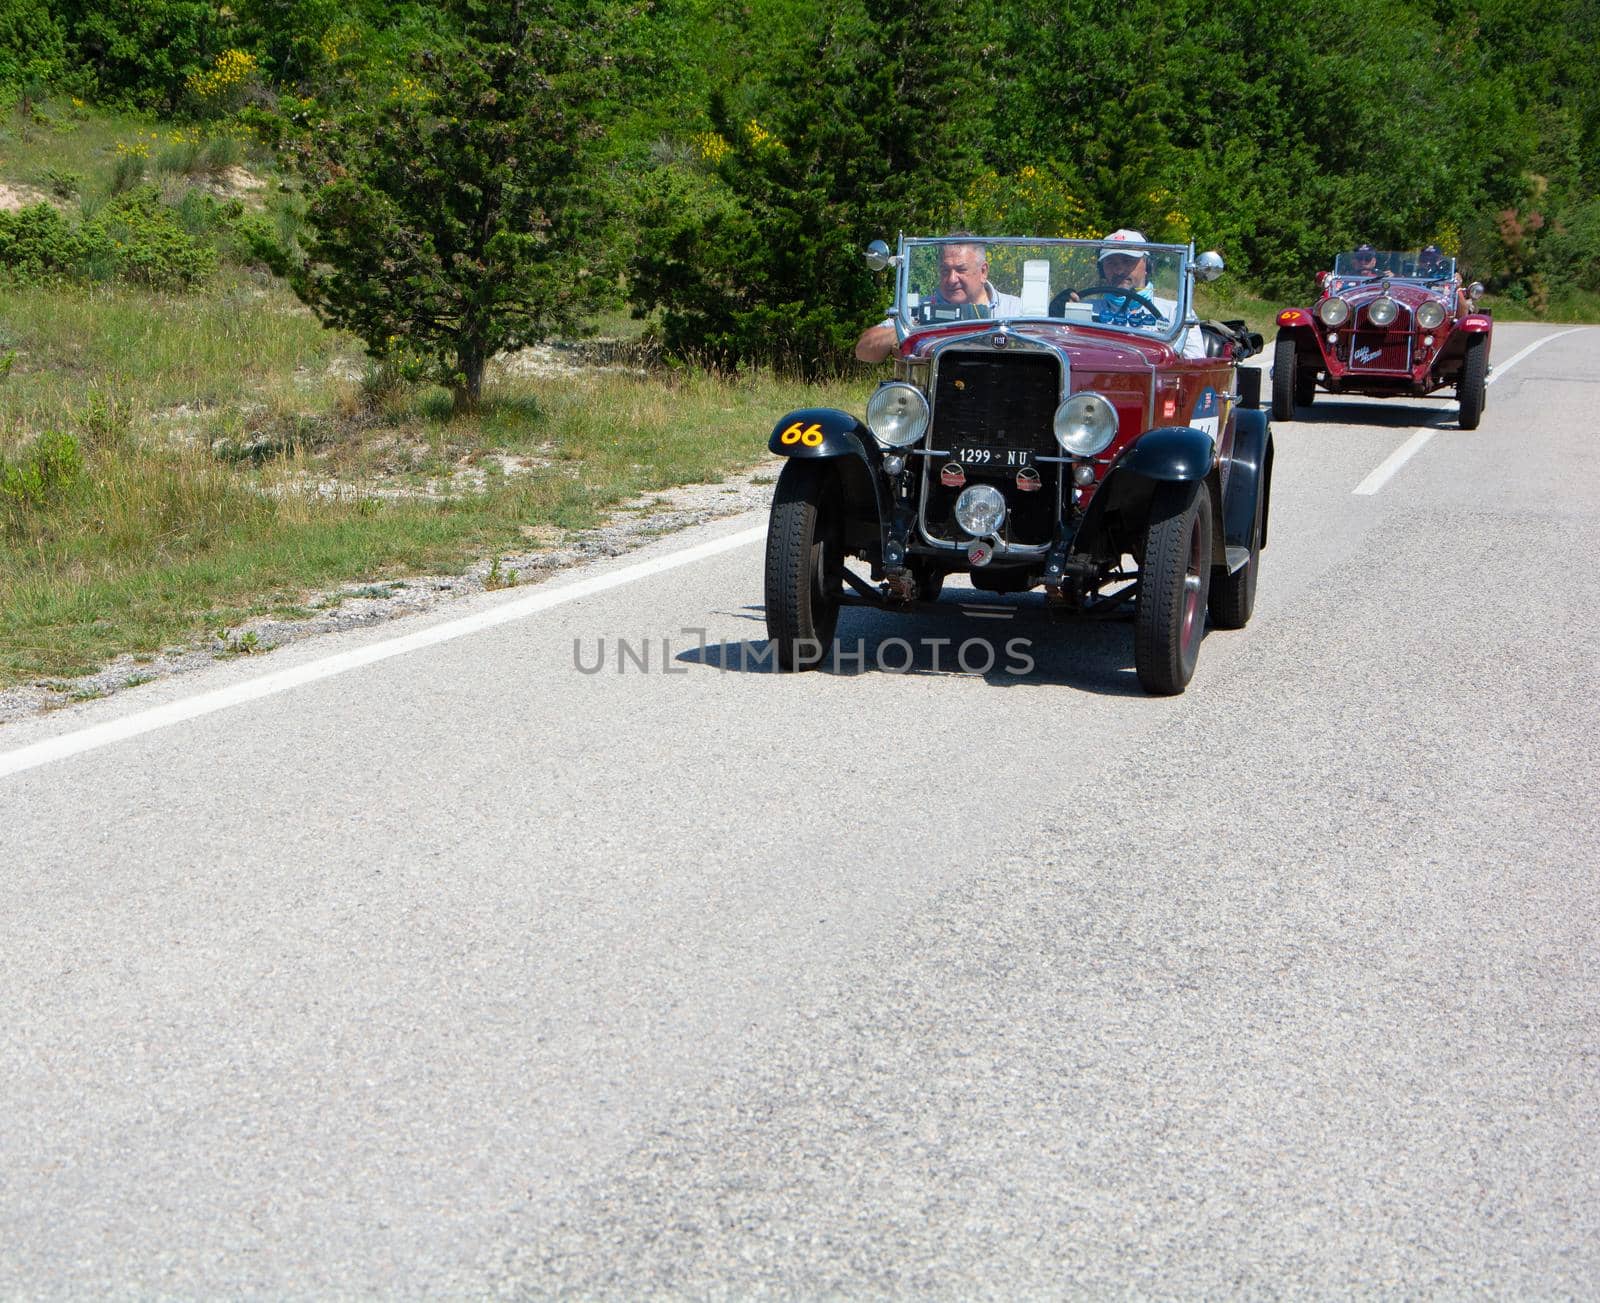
[1382, 311]
[980, 509]
[1085, 424]
[897, 415]
[1334, 311]
[1430, 315]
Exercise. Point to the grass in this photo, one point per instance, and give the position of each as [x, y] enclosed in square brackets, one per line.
[169, 533]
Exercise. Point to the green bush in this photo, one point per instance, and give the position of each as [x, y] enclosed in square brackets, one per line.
[32, 46]
[48, 470]
[133, 237]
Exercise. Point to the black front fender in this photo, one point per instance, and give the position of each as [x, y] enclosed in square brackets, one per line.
[826, 433]
[1120, 509]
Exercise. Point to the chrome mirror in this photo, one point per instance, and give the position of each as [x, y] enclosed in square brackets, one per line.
[878, 256]
[1207, 267]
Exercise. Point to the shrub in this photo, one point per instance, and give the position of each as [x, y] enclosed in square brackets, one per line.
[152, 246]
[37, 243]
[48, 469]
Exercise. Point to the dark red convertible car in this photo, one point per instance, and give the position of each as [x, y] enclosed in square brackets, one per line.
[1058, 419]
[1386, 324]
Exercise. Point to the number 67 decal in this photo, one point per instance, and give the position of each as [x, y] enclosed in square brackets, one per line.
[810, 436]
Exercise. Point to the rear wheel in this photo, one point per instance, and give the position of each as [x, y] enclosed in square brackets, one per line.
[1233, 596]
[1285, 365]
[929, 577]
[805, 564]
[1170, 612]
[1472, 388]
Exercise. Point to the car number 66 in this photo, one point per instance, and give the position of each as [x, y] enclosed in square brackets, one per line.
[810, 436]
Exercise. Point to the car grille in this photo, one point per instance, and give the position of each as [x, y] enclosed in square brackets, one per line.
[997, 400]
[1002, 401]
[1378, 350]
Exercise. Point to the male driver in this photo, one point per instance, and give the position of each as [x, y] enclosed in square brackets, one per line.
[1363, 260]
[1431, 266]
[1129, 270]
[963, 280]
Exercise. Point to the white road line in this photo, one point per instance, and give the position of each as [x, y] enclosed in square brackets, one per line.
[1412, 446]
[175, 712]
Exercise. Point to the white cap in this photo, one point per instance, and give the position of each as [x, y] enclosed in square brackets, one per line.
[1124, 236]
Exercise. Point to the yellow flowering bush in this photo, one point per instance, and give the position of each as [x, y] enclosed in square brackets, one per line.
[227, 77]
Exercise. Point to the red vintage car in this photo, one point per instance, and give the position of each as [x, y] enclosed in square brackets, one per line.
[1386, 324]
[1058, 419]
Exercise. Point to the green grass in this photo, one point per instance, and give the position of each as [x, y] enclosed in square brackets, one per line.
[170, 533]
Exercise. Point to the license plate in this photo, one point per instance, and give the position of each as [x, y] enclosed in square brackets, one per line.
[994, 459]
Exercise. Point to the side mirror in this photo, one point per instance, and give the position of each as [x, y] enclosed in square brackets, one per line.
[1207, 267]
[878, 256]
[1475, 289]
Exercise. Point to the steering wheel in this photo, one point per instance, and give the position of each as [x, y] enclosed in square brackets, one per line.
[1121, 307]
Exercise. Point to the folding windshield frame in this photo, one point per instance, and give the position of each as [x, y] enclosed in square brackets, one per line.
[905, 328]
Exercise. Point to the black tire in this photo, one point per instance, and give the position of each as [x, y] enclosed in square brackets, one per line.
[1305, 388]
[929, 577]
[1233, 597]
[1472, 388]
[1170, 613]
[805, 564]
[1285, 365]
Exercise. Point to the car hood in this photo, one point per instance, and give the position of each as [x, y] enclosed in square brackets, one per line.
[1407, 292]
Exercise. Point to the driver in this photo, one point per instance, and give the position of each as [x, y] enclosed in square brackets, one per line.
[1128, 270]
[1430, 262]
[963, 280]
[1364, 261]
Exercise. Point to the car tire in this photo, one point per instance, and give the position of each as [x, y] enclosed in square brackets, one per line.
[1233, 597]
[930, 579]
[1170, 611]
[1285, 366]
[805, 564]
[1305, 388]
[1472, 388]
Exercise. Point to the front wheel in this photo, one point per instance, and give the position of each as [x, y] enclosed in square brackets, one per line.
[1285, 364]
[805, 564]
[1170, 612]
[1472, 388]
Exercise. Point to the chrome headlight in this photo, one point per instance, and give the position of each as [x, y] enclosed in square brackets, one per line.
[1430, 315]
[1085, 424]
[897, 415]
[1334, 311]
[980, 509]
[1382, 311]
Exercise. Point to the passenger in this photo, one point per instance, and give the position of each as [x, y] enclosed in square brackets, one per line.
[963, 280]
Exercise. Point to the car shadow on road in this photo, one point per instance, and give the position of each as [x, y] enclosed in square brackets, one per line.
[1005, 641]
[1388, 413]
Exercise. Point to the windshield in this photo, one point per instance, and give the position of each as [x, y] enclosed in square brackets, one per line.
[1137, 287]
[1398, 264]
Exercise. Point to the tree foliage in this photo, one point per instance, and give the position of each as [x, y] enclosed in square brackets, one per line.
[458, 217]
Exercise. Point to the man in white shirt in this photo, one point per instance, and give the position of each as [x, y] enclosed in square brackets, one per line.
[963, 280]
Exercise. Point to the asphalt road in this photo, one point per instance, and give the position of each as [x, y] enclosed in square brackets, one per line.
[452, 967]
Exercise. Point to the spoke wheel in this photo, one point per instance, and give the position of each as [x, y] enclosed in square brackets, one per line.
[1285, 360]
[1170, 612]
[805, 564]
[1472, 388]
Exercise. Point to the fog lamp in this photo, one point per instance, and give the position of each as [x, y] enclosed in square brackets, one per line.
[894, 464]
[1427, 341]
[980, 509]
[1382, 311]
[1083, 473]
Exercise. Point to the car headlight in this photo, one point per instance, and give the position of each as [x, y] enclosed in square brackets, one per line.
[1334, 311]
[1382, 311]
[897, 415]
[1085, 424]
[980, 509]
[1430, 315]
